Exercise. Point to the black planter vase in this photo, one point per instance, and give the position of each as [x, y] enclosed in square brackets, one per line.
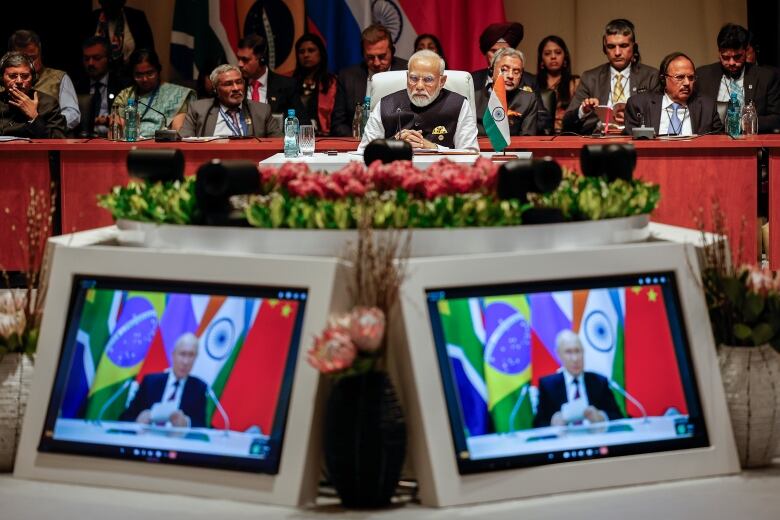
[365, 440]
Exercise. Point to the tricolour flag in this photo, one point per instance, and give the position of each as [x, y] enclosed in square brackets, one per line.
[508, 362]
[199, 37]
[550, 314]
[495, 117]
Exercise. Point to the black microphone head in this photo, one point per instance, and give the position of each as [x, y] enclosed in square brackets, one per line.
[518, 178]
[612, 161]
[217, 181]
[166, 164]
[387, 151]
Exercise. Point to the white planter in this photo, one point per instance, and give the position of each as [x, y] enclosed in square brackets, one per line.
[425, 242]
[16, 372]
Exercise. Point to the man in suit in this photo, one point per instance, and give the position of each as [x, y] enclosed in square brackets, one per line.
[424, 114]
[185, 393]
[25, 112]
[755, 83]
[572, 384]
[611, 83]
[102, 83]
[676, 110]
[378, 56]
[262, 84]
[498, 36]
[521, 104]
[229, 114]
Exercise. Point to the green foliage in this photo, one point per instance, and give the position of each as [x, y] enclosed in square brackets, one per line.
[161, 202]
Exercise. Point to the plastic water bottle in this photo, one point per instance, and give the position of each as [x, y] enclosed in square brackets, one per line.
[734, 116]
[357, 121]
[749, 119]
[131, 121]
[365, 114]
[291, 127]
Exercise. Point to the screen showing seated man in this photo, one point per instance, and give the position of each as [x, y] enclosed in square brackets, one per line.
[184, 373]
[549, 372]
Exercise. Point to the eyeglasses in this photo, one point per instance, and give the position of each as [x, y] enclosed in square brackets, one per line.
[24, 76]
[680, 77]
[149, 74]
[413, 79]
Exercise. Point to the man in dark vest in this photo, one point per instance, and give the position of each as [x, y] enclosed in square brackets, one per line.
[424, 114]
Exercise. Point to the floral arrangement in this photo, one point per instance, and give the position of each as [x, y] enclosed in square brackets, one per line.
[162, 202]
[594, 198]
[396, 195]
[355, 342]
[21, 308]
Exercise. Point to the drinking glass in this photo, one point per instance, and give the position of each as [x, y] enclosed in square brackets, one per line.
[306, 140]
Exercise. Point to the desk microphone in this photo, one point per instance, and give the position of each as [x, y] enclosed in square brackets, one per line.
[222, 412]
[624, 393]
[642, 132]
[164, 134]
[111, 400]
[523, 393]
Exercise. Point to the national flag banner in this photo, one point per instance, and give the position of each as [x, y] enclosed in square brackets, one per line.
[508, 362]
[199, 36]
[495, 117]
[551, 312]
[464, 334]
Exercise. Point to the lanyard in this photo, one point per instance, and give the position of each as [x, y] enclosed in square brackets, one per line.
[242, 130]
[677, 131]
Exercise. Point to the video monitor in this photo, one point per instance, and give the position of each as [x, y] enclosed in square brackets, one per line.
[553, 371]
[176, 373]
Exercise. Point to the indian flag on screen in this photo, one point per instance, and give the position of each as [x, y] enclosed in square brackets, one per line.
[495, 118]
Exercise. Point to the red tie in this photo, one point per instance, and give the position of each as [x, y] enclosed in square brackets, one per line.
[256, 90]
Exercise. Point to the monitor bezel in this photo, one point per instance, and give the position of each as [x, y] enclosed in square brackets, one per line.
[431, 441]
[94, 253]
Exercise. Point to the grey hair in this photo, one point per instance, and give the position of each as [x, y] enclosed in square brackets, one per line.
[15, 59]
[425, 53]
[566, 337]
[503, 53]
[221, 69]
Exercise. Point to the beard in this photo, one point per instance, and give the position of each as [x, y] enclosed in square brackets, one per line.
[424, 99]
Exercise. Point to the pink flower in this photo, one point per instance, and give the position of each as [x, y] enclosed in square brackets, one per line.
[355, 188]
[333, 351]
[367, 328]
[760, 281]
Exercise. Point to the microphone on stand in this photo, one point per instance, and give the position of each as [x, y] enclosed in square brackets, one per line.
[222, 412]
[523, 393]
[630, 397]
[111, 400]
[164, 134]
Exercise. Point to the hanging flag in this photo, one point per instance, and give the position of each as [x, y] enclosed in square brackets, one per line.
[652, 375]
[339, 23]
[550, 314]
[280, 22]
[508, 362]
[199, 36]
[464, 334]
[251, 378]
[495, 117]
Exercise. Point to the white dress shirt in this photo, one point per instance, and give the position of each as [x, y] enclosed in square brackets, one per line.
[571, 390]
[465, 132]
[683, 114]
[625, 79]
[222, 128]
[69, 105]
[169, 389]
[724, 93]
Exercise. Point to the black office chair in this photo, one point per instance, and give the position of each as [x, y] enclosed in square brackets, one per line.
[545, 118]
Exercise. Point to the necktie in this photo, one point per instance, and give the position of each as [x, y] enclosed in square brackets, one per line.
[576, 389]
[674, 121]
[173, 391]
[95, 102]
[233, 113]
[256, 90]
[734, 87]
[618, 96]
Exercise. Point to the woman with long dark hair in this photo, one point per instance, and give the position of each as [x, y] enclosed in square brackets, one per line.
[430, 42]
[554, 73]
[316, 86]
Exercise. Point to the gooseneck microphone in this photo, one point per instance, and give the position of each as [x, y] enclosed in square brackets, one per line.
[398, 130]
[523, 393]
[222, 412]
[163, 134]
[111, 400]
[624, 393]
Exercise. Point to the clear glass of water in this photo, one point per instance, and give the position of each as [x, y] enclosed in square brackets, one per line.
[306, 140]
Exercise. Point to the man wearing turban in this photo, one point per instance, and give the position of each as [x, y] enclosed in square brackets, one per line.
[497, 36]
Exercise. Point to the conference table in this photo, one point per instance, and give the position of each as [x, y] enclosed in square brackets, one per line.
[692, 174]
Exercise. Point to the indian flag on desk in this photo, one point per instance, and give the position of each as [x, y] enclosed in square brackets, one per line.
[495, 116]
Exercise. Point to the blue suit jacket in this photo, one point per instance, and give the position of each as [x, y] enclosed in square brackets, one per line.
[193, 398]
[552, 395]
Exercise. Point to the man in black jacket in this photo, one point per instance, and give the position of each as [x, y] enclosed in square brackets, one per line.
[755, 83]
[495, 37]
[378, 56]
[262, 84]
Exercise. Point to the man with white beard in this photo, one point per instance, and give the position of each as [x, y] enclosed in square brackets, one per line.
[424, 114]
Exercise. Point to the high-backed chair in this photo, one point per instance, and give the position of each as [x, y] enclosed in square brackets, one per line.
[384, 83]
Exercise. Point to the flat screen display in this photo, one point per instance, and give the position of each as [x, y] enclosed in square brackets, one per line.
[550, 372]
[177, 373]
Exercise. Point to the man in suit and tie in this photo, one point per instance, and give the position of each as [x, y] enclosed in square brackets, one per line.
[186, 393]
[572, 384]
[229, 114]
[262, 84]
[611, 83]
[102, 83]
[755, 83]
[521, 104]
[378, 56]
[677, 109]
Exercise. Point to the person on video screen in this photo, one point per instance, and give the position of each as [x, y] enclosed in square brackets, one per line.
[573, 395]
[180, 392]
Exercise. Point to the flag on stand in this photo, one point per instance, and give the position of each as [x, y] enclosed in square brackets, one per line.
[495, 117]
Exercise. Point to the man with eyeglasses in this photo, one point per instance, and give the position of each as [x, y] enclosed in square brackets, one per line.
[676, 109]
[732, 73]
[25, 112]
[424, 114]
